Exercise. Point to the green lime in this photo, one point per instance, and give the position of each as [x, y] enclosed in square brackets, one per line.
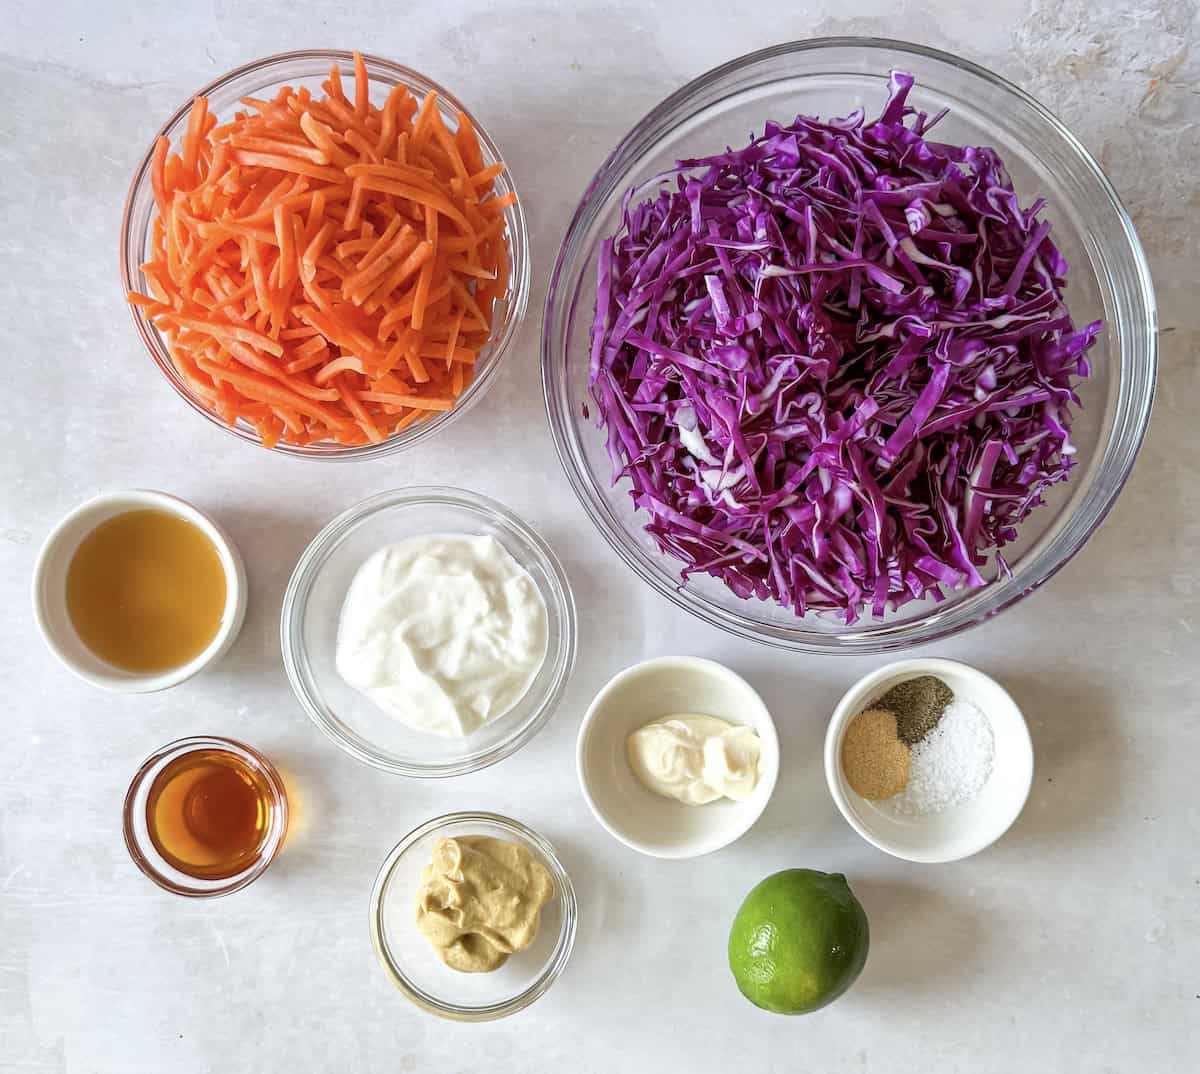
[798, 942]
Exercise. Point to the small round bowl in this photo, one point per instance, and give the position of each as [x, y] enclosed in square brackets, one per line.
[639, 818]
[50, 591]
[415, 968]
[312, 607]
[263, 78]
[963, 829]
[137, 832]
[1109, 279]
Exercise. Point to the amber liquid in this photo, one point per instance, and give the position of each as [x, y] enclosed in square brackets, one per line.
[209, 813]
[146, 591]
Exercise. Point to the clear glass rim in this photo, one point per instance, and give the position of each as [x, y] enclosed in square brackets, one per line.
[1138, 360]
[295, 600]
[565, 892]
[272, 844]
[519, 256]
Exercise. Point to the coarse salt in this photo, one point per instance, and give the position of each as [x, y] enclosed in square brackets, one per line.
[950, 764]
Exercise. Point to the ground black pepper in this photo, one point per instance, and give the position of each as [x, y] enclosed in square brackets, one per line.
[918, 704]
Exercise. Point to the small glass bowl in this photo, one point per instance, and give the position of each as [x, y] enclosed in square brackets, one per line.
[312, 607]
[415, 968]
[1109, 279]
[263, 78]
[137, 830]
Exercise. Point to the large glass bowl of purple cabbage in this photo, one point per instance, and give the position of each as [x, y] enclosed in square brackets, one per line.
[850, 345]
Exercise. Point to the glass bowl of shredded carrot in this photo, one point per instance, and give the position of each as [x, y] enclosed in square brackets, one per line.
[324, 254]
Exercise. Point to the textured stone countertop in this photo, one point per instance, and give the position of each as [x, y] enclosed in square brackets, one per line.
[1072, 945]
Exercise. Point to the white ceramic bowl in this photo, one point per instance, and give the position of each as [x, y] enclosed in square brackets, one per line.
[648, 822]
[963, 829]
[50, 582]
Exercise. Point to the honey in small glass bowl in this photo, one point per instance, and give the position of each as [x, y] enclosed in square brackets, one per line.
[205, 816]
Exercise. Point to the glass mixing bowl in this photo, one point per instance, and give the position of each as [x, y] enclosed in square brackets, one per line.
[312, 606]
[1109, 279]
[263, 78]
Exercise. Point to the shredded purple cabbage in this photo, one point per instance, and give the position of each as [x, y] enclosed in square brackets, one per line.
[836, 365]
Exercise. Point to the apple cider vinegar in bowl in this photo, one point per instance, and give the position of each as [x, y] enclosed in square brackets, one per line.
[136, 591]
[146, 591]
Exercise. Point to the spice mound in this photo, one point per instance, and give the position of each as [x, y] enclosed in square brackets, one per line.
[951, 763]
[480, 900]
[918, 705]
[919, 749]
[875, 758]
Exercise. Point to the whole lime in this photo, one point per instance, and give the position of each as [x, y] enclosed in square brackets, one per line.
[798, 941]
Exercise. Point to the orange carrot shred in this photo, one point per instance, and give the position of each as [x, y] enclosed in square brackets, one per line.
[354, 404]
[448, 144]
[309, 361]
[452, 338]
[421, 402]
[158, 168]
[334, 86]
[308, 262]
[346, 363]
[362, 91]
[195, 131]
[354, 208]
[468, 142]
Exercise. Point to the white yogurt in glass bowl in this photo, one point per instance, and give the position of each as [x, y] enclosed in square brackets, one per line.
[444, 631]
[312, 611]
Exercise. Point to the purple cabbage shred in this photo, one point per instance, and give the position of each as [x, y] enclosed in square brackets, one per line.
[836, 365]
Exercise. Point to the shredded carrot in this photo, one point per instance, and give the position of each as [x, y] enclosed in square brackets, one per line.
[347, 363]
[361, 414]
[308, 361]
[468, 142]
[420, 402]
[197, 121]
[362, 89]
[326, 269]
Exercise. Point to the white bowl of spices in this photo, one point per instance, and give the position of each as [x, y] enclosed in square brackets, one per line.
[929, 760]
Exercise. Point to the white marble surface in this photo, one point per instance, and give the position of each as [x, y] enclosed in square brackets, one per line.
[1072, 945]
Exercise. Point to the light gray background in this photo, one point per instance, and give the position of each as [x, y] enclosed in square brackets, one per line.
[1069, 946]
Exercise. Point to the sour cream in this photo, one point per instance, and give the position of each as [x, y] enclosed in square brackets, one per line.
[695, 759]
[445, 632]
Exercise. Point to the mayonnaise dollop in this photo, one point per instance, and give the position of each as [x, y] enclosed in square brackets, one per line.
[696, 759]
[444, 632]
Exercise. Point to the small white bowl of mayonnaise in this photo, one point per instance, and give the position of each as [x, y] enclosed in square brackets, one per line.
[677, 756]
